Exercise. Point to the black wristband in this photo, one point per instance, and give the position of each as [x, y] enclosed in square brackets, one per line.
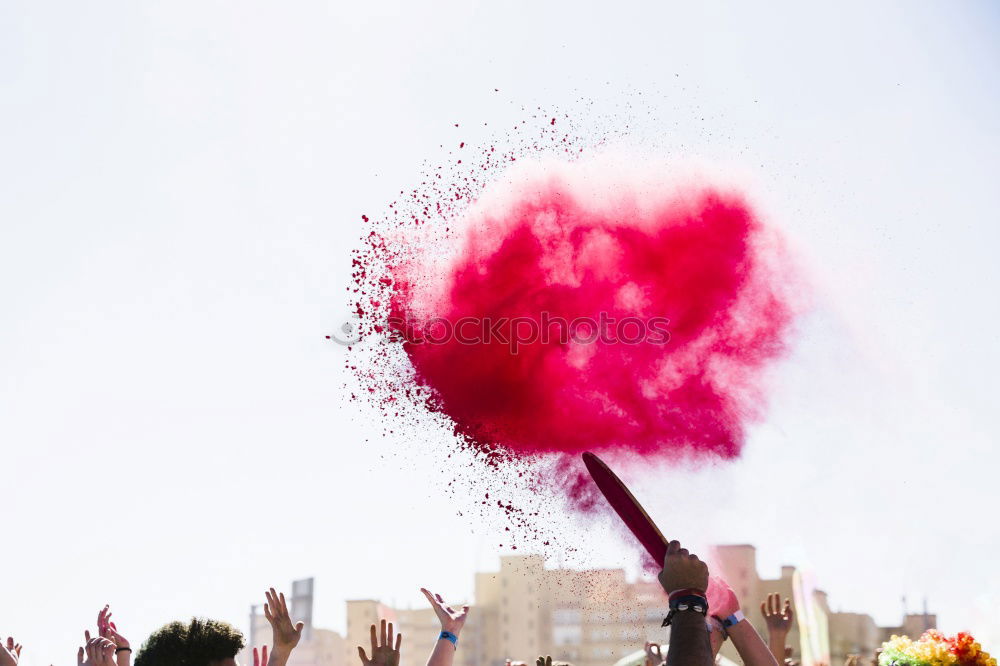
[117, 650]
[687, 603]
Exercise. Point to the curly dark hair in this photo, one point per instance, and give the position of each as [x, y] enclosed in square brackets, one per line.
[197, 643]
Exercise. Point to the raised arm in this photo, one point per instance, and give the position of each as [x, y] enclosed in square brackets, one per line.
[10, 652]
[452, 622]
[98, 651]
[284, 635]
[779, 623]
[685, 580]
[106, 629]
[725, 608]
[750, 645]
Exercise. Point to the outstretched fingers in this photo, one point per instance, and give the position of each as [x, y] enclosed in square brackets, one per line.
[102, 621]
[275, 608]
[274, 603]
[437, 603]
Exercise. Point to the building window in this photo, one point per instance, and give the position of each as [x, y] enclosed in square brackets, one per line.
[566, 616]
[567, 634]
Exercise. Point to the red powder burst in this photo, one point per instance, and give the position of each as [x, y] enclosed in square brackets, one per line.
[486, 241]
[564, 327]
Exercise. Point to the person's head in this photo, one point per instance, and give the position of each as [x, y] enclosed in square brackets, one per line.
[196, 643]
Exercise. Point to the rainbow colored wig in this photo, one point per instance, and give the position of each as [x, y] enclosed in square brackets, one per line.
[934, 649]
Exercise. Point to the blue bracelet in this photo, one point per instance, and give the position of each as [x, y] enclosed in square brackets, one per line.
[448, 636]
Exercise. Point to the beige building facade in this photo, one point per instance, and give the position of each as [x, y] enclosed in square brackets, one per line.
[840, 634]
[589, 618]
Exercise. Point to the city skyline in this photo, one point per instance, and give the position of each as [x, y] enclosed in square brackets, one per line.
[589, 617]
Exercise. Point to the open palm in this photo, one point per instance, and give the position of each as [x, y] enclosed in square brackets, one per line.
[451, 620]
[285, 636]
[777, 618]
[384, 653]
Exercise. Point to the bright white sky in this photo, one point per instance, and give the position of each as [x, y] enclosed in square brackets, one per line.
[182, 185]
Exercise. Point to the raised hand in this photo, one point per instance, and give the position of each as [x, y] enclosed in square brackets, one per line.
[285, 636]
[451, 620]
[654, 655]
[722, 601]
[107, 629]
[260, 659]
[778, 619]
[683, 570]
[98, 651]
[10, 652]
[383, 652]
[543, 661]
